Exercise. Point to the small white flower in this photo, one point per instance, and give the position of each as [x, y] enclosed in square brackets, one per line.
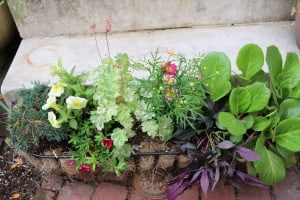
[52, 120]
[56, 90]
[50, 102]
[76, 102]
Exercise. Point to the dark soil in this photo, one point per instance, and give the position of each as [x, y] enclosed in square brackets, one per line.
[21, 181]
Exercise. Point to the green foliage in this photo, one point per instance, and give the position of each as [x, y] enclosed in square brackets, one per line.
[172, 94]
[28, 123]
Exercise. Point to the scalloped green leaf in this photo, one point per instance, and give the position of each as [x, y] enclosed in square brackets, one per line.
[239, 100]
[250, 60]
[233, 125]
[287, 134]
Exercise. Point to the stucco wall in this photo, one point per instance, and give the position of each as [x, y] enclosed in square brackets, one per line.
[36, 18]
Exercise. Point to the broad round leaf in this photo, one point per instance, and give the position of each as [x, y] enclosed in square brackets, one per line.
[271, 167]
[250, 60]
[239, 100]
[260, 95]
[261, 123]
[287, 134]
[289, 108]
[233, 125]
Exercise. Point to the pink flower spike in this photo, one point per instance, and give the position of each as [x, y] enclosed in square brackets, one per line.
[84, 168]
[170, 68]
[71, 163]
[108, 24]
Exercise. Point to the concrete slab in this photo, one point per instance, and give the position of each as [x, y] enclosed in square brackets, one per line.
[35, 55]
[62, 17]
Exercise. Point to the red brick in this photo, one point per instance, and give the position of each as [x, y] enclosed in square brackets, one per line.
[52, 182]
[221, 191]
[110, 176]
[289, 188]
[136, 195]
[253, 193]
[190, 194]
[110, 191]
[76, 190]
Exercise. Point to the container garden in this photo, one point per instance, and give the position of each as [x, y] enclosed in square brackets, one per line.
[189, 122]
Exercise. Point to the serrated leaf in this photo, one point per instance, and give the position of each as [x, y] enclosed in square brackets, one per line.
[233, 125]
[295, 91]
[271, 167]
[289, 108]
[250, 60]
[239, 100]
[287, 134]
[119, 137]
[260, 95]
[261, 123]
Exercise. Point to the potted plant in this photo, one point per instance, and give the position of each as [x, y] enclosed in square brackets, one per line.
[251, 128]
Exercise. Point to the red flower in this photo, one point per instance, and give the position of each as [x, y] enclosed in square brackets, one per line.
[170, 68]
[108, 143]
[92, 26]
[84, 168]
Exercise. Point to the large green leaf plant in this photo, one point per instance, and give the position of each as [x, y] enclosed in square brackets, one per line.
[263, 110]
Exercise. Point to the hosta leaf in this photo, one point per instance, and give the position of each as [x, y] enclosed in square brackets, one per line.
[289, 108]
[261, 123]
[239, 100]
[260, 95]
[287, 134]
[250, 60]
[233, 125]
[271, 167]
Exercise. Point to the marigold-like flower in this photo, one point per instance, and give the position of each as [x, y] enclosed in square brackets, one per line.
[84, 168]
[56, 90]
[108, 143]
[169, 79]
[76, 103]
[170, 68]
[171, 94]
[52, 119]
[171, 52]
[51, 102]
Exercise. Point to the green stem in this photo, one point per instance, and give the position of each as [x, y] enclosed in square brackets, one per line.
[4, 106]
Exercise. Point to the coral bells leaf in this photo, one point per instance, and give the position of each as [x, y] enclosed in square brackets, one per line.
[108, 143]
[170, 68]
[84, 168]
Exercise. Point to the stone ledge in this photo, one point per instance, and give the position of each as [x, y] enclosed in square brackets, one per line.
[35, 56]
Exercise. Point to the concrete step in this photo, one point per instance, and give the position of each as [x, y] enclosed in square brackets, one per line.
[35, 55]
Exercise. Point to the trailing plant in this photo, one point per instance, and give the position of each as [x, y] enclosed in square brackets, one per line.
[28, 123]
[252, 118]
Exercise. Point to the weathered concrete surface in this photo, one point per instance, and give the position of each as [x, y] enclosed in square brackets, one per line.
[40, 18]
[35, 55]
